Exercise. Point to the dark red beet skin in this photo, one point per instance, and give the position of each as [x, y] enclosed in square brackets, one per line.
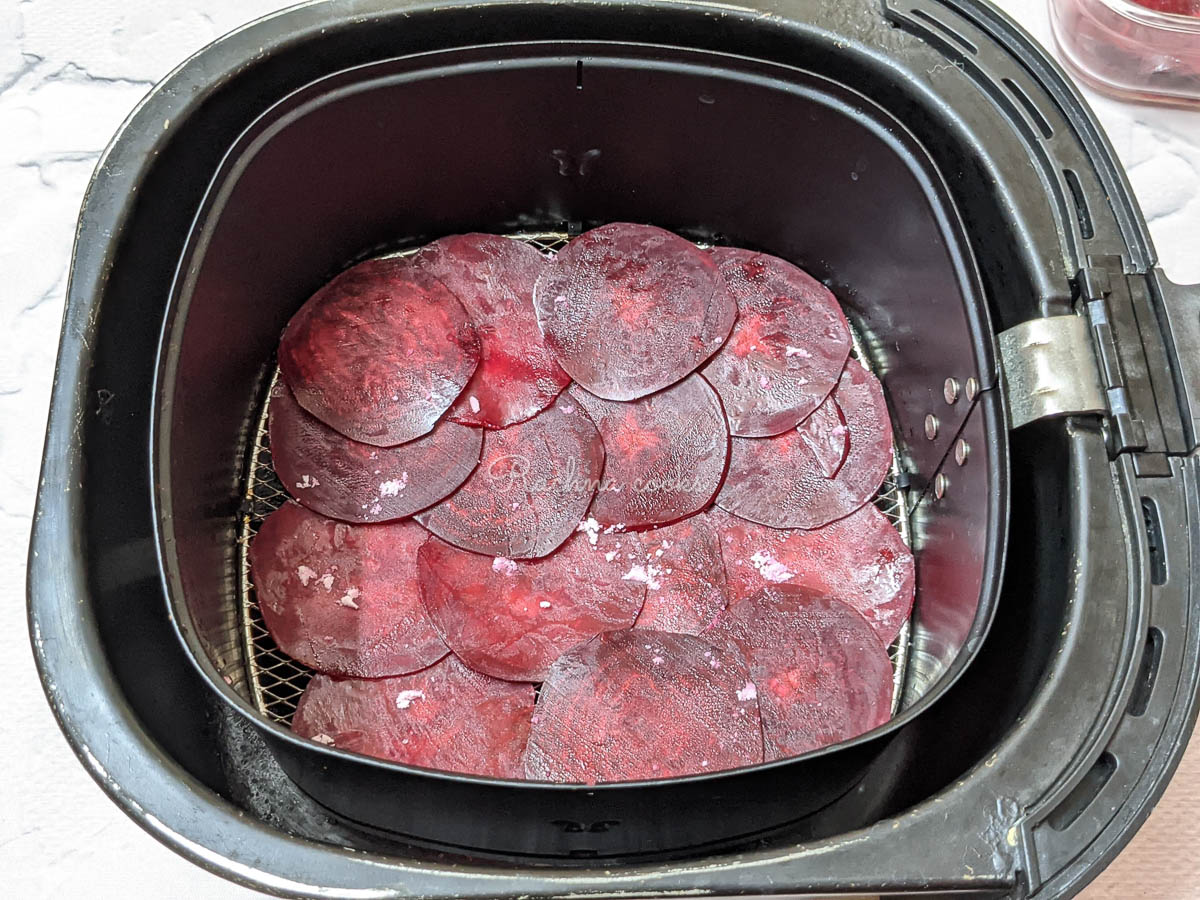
[531, 488]
[860, 560]
[787, 349]
[685, 574]
[665, 454]
[444, 717]
[781, 482]
[820, 674]
[642, 704]
[380, 352]
[343, 599]
[344, 479]
[631, 309]
[512, 619]
[493, 277]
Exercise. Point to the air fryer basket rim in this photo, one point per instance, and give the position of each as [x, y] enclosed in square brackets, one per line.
[181, 811]
[276, 117]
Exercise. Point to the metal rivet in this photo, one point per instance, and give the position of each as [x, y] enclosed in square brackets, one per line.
[950, 390]
[972, 389]
[940, 485]
[931, 426]
[961, 451]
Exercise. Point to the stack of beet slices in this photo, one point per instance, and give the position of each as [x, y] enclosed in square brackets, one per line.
[593, 517]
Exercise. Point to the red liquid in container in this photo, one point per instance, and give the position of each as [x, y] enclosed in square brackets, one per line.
[1177, 7]
[1136, 49]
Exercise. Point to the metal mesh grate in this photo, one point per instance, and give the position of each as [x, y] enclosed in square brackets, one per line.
[277, 681]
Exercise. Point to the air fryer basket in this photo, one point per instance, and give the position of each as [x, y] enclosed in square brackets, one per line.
[933, 133]
[716, 147]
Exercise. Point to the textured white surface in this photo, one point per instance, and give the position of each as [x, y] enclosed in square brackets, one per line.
[70, 71]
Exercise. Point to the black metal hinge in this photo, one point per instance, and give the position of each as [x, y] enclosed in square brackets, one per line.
[1143, 410]
[1109, 358]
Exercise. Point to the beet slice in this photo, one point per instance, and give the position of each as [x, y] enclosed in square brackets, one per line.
[493, 277]
[860, 560]
[685, 575]
[533, 485]
[337, 477]
[643, 704]
[380, 352]
[444, 717]
[781, 482]
[787, 349]
[512, 619]
[820, 673]
[664, 455]
[630, 309]
[343, 599]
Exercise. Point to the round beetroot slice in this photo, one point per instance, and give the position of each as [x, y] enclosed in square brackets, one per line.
[494, 277]
[344, 479]
[512, 619]
[630, 309]
[664, 455]
[343, 599]
[444, 717]
[787, 349]
[779, 481]
[820, 674]
[641, 704]
[860, 560]
[380, 352]
[531, 488]
[685, 575]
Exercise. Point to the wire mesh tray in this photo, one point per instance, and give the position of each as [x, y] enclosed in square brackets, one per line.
[277, 681]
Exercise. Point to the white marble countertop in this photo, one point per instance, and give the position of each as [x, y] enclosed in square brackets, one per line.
[70, 70]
